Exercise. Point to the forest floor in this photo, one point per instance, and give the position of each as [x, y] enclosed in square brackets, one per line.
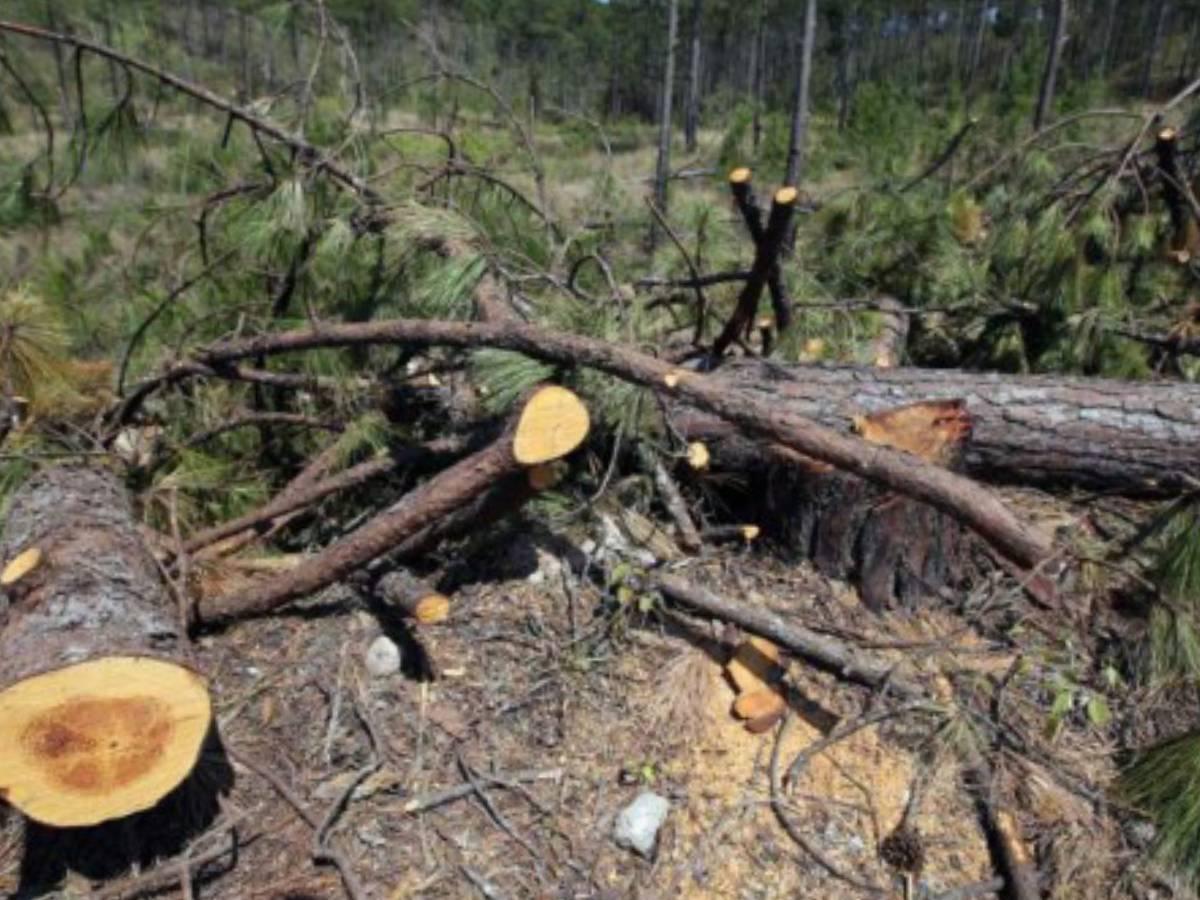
[562, 710]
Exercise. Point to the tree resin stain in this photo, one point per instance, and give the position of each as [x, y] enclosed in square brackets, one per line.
[94, 745]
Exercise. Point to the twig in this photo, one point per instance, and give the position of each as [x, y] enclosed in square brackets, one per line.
[244, 420]
[305, 151]
[942, 158]
[449, 795]
[826, 652]
[669, 493]
[331, 854]
[970, 891]
[480, 883]
[793, 830]
[701, 300]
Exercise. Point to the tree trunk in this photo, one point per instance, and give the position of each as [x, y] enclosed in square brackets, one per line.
[662, 172]
[1156, 38]
[99, 718]
[1110, 19]
[756, 78]
[1053, 55]
[1049, 431]
[977, 44]
[692, 121]
[799, 136]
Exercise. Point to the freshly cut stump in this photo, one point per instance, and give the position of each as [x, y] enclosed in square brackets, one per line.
[98, 717]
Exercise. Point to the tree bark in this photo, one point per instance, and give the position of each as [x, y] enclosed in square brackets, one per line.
[1053, 56]
[692, 120]
[800, 108]
[1110, 19]
[1049, 431]
[99, 717]
[662, 172]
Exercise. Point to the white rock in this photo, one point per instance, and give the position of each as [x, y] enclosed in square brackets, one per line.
[637, 825]
[383, 657]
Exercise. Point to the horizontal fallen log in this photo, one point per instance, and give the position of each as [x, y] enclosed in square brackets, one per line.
[759, 417]
[101, 717]
[1136, 438]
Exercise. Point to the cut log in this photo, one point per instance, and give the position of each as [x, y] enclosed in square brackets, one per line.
[551, 424]
[1140, 438]
[99, 716]
[413, 597]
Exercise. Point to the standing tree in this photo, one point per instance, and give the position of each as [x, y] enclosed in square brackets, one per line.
[1155, 48]
[663, 170]
[799, 138]
[1053, 55]
[692, 121]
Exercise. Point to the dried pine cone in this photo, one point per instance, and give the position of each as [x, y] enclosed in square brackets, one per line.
[904, 850]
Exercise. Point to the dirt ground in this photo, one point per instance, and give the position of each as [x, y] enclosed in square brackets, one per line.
[550, 710]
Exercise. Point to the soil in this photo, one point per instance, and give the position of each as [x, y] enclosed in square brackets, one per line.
[562, 707]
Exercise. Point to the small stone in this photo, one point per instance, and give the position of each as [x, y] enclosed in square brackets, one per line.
[383, 657]
[637, 825]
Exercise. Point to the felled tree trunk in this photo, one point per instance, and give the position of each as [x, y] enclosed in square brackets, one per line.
[1051, 432]
[99, 716]
[1137, 439]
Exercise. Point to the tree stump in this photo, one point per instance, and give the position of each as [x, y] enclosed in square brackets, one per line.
[99, 716]
[896, 550]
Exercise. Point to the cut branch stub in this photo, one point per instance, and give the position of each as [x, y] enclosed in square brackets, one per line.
[20, 566]
[414, 598]
[765, 268]
[99, 718]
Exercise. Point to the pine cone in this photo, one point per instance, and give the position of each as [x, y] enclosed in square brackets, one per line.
[904, 850]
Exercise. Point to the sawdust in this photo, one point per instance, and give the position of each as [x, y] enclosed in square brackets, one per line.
[847, 800]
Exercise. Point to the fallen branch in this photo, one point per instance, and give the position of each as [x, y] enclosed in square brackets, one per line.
[551, 424]
[826, 652]
[961, 498]
[305, 151]
[942, 158]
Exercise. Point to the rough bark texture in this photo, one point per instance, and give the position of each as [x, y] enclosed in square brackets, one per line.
[426, 513]
[1048, 431]
[692, 119]
[96, 592]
